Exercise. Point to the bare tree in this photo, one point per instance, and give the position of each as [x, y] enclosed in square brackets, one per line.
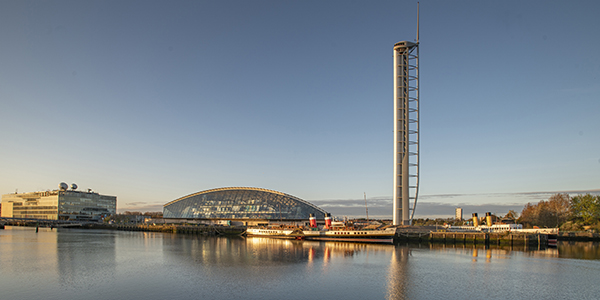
[512, 215]
[560, 208]
[551, 213]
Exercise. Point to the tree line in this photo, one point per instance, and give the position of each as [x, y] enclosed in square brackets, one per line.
[560, 210]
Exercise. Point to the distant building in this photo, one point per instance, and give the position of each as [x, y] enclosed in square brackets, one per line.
[246, 204]
[459, 213]
[61, 204]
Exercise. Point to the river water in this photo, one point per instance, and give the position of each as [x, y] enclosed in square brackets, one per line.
[99, 264]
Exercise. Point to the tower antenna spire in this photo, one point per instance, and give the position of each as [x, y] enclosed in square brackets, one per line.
[417, 22]
[366, 207]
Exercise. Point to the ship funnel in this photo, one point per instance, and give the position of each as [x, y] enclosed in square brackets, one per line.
[313, 221]
[475, 220]
[328, 221]
[488, 218]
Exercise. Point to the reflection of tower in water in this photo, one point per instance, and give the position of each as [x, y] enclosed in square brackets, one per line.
[398, 277]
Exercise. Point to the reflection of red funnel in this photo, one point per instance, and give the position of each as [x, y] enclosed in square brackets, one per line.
[311, 254]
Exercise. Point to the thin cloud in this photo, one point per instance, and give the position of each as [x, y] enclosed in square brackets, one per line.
[141, 207]
[442, 205]
[428, 206]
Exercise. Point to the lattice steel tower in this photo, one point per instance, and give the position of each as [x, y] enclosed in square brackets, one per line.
[406, 129]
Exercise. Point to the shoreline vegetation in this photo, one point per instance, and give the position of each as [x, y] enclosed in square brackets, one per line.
[580, 213]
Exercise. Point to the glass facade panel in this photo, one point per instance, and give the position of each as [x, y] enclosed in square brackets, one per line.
[241, 203]
[79, 205]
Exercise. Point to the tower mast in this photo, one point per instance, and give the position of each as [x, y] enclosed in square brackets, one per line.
[406, 129]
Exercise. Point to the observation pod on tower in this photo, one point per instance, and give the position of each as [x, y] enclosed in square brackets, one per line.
[406, 130]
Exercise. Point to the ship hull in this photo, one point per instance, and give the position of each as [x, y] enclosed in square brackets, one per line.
[357, 236]
[360, 236]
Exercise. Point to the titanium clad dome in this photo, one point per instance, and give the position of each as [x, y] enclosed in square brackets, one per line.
[241, 203]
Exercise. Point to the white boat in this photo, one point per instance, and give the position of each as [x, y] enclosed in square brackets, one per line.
[352, 235]
[336, 234]
[275, 232]
[332, 231]
[485, 228]
[501, 228]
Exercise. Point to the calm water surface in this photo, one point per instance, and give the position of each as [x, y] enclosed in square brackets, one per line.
[97, 264]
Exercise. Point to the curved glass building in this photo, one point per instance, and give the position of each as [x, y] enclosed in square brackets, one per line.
[241, 203]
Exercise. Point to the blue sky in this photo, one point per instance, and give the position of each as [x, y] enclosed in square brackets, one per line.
[154, 100]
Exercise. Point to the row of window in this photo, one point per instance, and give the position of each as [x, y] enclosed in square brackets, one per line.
[51, 216]
[28, 208]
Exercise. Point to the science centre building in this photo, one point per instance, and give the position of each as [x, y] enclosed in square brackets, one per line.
[247, 204]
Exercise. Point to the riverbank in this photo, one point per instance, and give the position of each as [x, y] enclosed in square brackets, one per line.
[172, 228]
[579, 236]
[436, 234]
[200, 229]
[404, 234]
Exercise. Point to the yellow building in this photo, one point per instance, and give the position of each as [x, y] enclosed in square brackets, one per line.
[61, 204]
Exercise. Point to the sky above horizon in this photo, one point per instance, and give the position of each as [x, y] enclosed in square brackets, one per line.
[154, 100]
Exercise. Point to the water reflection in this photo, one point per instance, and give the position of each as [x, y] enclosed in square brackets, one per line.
[73, 250]
[24, 239]
[580, 250]
[257, 250]
[279, 268]
[398, 279]
[481, 253]
[66, 258]
[88, 264]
